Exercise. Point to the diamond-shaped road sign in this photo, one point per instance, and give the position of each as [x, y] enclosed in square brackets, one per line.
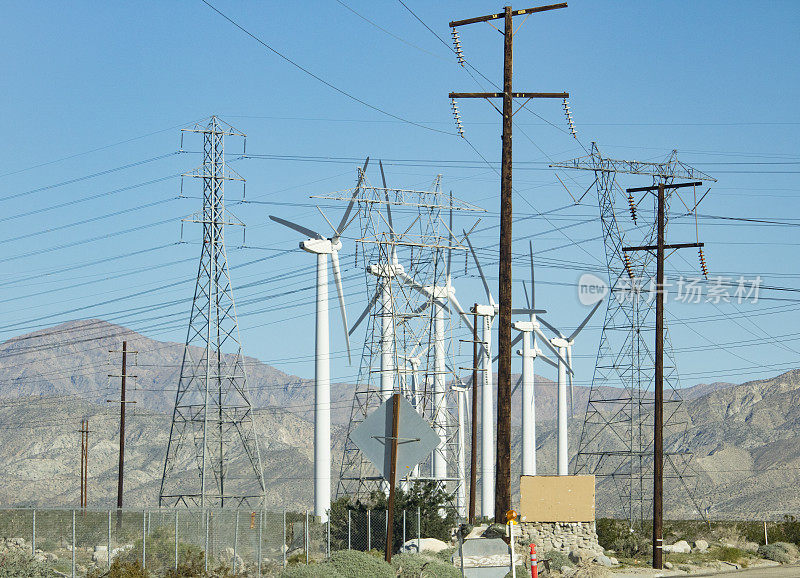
[415, 438]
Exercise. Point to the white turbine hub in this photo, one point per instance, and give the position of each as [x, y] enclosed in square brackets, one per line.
[385, 270]
[559, 342]
[320, 246]
[486, 310]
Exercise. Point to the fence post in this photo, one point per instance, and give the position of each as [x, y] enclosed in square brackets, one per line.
[386, 525]
[404, 527]
[235, 542]
[283, 549]
[205, 557]
[369, 530]
[305, 538]
[176, 539]
[144, 539]
[73, 543]
[329, 534]
[33, 537]
[419, 529]
[260, 530]
[766, 538]
[349, 543]
[108, 544]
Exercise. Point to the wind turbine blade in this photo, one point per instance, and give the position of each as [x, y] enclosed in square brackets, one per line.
[366, 311]
[550, 327]
[585, 321]
[571, 388]
[546, 359]
[388, 206]
[483, 277]
[525, 288]
[299, 228]
[553, 348]
[519, 380]
[513, 343]
[343, 223]
[533, 284]
[460, 310]
[525, 311]
[337, 277]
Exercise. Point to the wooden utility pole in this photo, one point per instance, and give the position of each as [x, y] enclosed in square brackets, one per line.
[473, 458]
[122, 403]
[503, 453]
[658, 418]
[122, 425]
[392, 474]
[84, 461]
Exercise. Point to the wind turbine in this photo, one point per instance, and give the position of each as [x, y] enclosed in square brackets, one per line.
[488, 313]
[322, 247]
[529, 353]
[564, 346]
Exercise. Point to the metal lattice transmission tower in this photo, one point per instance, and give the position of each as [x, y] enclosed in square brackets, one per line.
[406, 245]
[616, 441]
[213, 458]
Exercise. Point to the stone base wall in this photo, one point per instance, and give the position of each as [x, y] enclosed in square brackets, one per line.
[566, 537]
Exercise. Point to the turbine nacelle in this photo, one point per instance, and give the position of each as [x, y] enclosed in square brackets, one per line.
[386, 270]
[320, 246]
[486, 310]
[560, 342]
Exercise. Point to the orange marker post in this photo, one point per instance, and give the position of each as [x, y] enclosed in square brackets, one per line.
[534, 562]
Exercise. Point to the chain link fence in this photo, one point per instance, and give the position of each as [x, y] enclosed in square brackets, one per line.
[248, 543]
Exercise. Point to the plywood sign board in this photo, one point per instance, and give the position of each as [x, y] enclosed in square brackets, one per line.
[557, 498]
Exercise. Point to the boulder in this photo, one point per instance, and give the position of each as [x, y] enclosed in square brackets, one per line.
[425, 545]
[581, 555]
[603, 561]
[680, 547]
[750, 547]
[701, 546]
[668, 565]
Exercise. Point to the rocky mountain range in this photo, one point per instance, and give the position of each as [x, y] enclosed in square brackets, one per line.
[745, 438]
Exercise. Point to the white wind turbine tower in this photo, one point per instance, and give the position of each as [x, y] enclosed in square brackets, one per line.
[529, 353]
[488, 313]
[322, 247]
[564, 346]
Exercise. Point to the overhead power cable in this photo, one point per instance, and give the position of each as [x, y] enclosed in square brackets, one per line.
[319, 78]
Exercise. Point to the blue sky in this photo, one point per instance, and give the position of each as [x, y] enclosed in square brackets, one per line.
[96, 86]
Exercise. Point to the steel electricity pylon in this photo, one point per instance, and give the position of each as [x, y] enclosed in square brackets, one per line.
[618, 436]
[404, 247]
[213, 458]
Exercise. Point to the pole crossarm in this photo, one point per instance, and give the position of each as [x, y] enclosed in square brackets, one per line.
[673, 169]
[666, 186]
[672, 246]
[489, 17]
[513, 95]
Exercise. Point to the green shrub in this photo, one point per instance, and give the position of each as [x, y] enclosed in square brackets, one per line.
[617, 535]
[727, 554]
[446, 555]
[429, 497]
[420, 565]
[521, 571]
[355, 564]
[557, 559]
[782, 552]
[310, 571]
[20, 565]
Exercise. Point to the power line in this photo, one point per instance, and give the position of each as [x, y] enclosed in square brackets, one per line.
[319, 78]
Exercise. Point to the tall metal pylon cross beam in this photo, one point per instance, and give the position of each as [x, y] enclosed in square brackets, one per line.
[213, 458]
